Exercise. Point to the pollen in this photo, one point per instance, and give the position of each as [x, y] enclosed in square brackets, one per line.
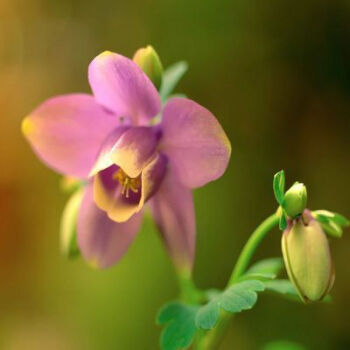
[128, 183]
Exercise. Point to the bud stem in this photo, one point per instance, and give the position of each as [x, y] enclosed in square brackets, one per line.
[250, 247]
[212, 339]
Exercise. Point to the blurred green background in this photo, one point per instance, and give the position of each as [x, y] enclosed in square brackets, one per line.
[277, 76]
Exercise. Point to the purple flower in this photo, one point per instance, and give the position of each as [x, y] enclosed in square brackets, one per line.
[111, 139]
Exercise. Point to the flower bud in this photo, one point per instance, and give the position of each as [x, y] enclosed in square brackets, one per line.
[70, 184]
[148, 60]
[294, 201]
[68, 228]
[308, 259]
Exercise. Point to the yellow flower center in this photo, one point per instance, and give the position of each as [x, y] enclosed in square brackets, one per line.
[128, 183]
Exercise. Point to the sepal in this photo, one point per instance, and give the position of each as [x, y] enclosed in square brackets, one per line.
[279, 181]
[283, 220]
[171, 77]
[332, 223]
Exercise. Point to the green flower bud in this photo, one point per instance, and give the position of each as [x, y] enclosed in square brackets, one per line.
[70, 184]
[68, 228]
[148, 60]
[308, 259]
[294, 201]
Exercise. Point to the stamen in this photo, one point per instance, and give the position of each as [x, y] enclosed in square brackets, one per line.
[127, 183]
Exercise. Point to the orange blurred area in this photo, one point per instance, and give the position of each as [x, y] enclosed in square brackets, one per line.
[276, 75]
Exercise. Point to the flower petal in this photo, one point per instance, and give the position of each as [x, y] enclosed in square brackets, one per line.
[152, 177]
[104, 159]
[103, 242]
[194, 141]
[66, 132]
[119, 84]
[173, 210]
[134, 150]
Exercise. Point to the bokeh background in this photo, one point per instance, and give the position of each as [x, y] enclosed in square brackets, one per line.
[277, 76]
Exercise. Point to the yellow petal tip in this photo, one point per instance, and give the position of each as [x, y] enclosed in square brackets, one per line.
[27, 126]
[106, 53]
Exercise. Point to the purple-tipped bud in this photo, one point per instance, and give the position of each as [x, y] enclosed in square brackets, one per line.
[148, 60]
[308, 258]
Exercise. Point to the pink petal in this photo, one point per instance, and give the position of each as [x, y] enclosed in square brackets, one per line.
[173, 210]
[194, 141]
[134, 150]
[152, 177]
[67, 132]
[119, 84]
[103, 242]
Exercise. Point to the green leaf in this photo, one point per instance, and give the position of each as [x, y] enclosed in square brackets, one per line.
[284, 287]
[182, 320]
[171, 77]
[212, 293]
[180, 326]
[270, 265]
[283, 221]
[263, 276]
[278, 186]
[263, 270]
[238, 297]
[208, 315]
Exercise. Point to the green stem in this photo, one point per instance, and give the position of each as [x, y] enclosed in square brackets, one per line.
[188, 290]
[212, 339]
[250, 247]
